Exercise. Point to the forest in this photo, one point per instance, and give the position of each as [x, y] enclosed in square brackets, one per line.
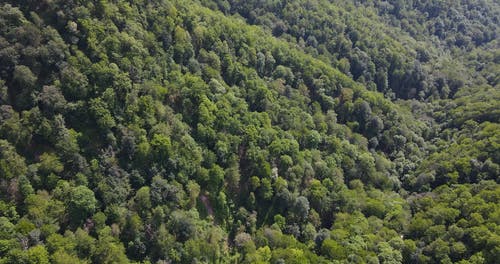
[249, 131]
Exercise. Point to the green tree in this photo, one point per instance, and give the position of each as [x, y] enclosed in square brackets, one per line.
[82, 203]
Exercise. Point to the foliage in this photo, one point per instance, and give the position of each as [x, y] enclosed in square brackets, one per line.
[249, 132]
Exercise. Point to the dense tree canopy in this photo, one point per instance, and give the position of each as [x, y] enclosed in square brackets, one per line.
[228, 131]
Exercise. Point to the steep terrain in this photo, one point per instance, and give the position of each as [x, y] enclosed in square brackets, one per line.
[249, 131]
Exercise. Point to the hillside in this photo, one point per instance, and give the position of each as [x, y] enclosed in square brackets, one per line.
[249, 131]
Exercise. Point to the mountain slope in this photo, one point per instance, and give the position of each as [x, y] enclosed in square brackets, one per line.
[167, 132]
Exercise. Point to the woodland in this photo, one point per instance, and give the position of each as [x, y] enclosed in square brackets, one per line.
[249, 131]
